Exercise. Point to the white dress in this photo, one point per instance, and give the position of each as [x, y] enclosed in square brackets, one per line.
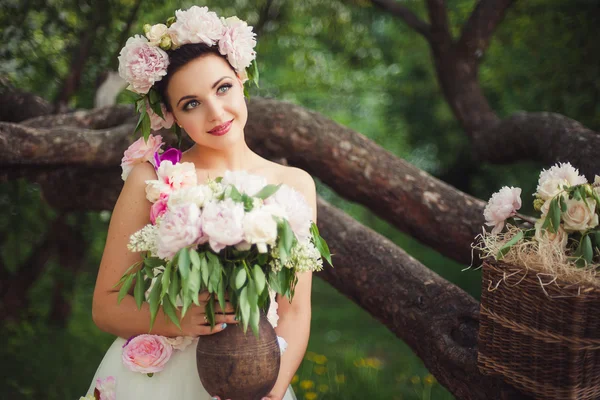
[178, 380]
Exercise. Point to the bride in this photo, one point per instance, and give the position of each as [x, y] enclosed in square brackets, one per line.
[200, 80]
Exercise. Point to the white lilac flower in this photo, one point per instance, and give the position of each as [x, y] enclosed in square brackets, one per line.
[144, 240]
[304, 257]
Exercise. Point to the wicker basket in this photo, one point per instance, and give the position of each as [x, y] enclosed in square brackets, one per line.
[545, 345]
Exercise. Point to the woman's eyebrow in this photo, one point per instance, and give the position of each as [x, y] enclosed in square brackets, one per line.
[213, 86]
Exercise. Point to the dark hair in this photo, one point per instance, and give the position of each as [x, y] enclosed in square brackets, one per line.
[180, 57]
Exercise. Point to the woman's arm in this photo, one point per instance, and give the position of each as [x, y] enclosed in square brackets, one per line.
[131, 213]
[294, 317]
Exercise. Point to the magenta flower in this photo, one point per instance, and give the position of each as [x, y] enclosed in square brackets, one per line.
[172, 154]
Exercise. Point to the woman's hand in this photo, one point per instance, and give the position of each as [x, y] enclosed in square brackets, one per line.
[195, 322]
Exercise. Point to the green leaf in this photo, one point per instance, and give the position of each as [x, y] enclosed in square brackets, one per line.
[244, 308]
[194, 283]
[125, 288]
[252, 294]
[267, 191]
[286, 240]
[506, 247]
[588, 252]
[554, 214]
[140, 120]
[169, 309]
[210, 311]
[221, 292]
[153, 96]
[154, 262]
[175, 287]
[240, 278]
[184, 262]
[254, 319]
[204, 269]
[146, 126]
[154, 300]
[138, 291]
[274, 282]
[166, 280]
[259, 278]
[215, 272]
[187, 302]
[563, 204]
[232, 192]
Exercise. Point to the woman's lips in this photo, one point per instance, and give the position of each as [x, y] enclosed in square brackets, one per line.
[221, 129]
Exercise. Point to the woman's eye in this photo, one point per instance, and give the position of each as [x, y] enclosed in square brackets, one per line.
[191, 104]
[225, 88]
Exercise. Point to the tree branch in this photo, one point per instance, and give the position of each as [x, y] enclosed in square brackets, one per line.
[442, 41]
[544, 137]
[437, 319]
[477, 32]
[411, 19]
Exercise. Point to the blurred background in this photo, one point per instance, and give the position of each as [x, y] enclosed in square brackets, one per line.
[347, 60]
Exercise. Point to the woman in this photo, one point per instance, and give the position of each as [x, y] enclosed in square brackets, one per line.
[203, 92]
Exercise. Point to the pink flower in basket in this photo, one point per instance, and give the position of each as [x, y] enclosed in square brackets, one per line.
[147, 353]
[503, 205]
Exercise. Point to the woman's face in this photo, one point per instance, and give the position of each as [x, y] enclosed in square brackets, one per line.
[207, 100]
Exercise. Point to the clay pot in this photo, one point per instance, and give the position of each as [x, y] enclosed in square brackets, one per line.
[238, 366]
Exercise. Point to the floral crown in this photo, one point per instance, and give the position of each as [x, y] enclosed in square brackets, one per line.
[144, 60]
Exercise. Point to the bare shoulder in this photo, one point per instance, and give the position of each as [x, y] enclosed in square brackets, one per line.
[298, 179]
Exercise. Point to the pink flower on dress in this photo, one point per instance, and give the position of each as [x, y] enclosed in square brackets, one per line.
[181, 226]
[502, 205]
[237, 43]
[196, 25]
[141, 64]
[107, 388]
[299, 213]
[180, 342]
[159, 208]
[222, 223]
[139, 152]
[156, 121]
[147, 353]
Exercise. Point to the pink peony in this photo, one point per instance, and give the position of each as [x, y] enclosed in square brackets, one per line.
[141, 64]
[139, 152]
[180, 227]
[502, 205]
[299, 213]
[180, 342]
[177, 176]
[107, 388]
[147, 353]
[159, 208]
[222, 223]
[156, 121]
[196, 25]
[237, 43]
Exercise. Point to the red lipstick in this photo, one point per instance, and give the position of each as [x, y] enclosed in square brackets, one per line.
[221, 129]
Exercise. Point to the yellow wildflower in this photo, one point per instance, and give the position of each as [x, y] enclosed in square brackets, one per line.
[373, 362]
[310, 395]
[306, 384]
[320, 359]
[323, 388]
[359, 363]
[429, 380]
[310, 355]
[415, 380]
[341, 378]
[320, 370]
[295, 379]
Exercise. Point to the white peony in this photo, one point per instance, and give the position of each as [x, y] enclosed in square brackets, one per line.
[298, 212]
[141, 64]
[222, 222]
[198, 195]
[244, 182]
[177, 176]
[196, 25]
[237, 43]
[260, 228]
[552, 180]
[180, 342]
[579, 216]
[502, 205]
[154, 188]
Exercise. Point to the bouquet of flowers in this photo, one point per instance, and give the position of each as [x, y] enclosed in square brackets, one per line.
[235, 236]
[566, 234]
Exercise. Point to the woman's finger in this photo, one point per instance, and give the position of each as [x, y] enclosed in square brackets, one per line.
[227, 318]
[204, 330]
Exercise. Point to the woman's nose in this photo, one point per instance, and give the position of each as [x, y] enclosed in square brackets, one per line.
[215, 110]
